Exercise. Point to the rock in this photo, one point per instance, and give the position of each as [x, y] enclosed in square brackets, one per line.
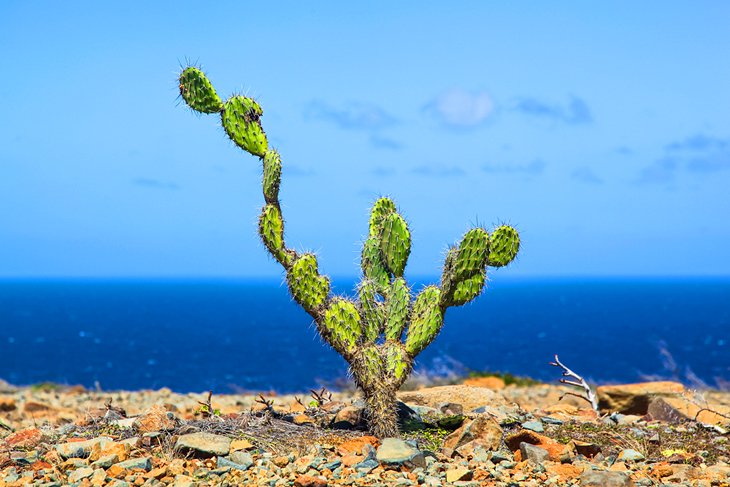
[303, 419]
[491, 382]
[37, 407]
[156, 418]
[355, 445]
[451, 409]
[678, 409]
[635, 398]
[557, 451]
[366, 466]
[107, 448]
[309, 481]
[105, 461]
[533, 453]
[406, 415]
[241, 445]
[79, 474]
[598, 478]
[204, 444]
[297, 407]
[660, 410]
[469, 397]
[396, 452]
[629, 454]
[79, 449]
[136, 464]
[482, 431]
[225, 462]
[535, 426]
[27, 438]
[347, 418]
[242, 459]
[456, 474]
[7, 404]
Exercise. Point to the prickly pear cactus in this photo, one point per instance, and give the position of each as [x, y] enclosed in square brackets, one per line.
[381, 332]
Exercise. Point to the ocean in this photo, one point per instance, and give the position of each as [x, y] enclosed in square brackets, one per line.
[227, 336]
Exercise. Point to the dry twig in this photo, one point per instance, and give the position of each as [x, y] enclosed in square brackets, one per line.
[588, 394]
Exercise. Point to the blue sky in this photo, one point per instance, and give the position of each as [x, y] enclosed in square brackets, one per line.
[601, 131]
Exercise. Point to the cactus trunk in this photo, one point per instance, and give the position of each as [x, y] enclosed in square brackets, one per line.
[382, 332]
[382, 410]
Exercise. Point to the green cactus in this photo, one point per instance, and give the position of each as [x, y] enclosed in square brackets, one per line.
[368, 333]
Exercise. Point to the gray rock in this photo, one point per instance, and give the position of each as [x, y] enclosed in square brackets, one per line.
[535, 426]
[394, 451]
[549, 420]
[451, 408]
[366, 466]
[242, 459]
[333, 464]
[630, 455]
[106, 461]
[598, 478]
[224, 463]
[533, 453]
[137, 463]
[204, 444]
[80, 474]
[501, 456]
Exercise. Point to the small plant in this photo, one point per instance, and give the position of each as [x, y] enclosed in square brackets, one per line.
[381, 332]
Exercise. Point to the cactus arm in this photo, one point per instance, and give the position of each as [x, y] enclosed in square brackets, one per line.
[241, 120]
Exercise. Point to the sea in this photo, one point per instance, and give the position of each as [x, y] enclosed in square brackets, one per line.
[248, 335]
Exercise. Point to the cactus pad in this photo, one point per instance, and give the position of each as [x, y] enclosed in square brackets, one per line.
[342, 326]
[306, 285]
[271, 229]
[272, 176]
[395, 243]
[372, 311]
[397, 362]
[198, 92]
[373, 267]
[426, 320]
[241, 120]
[503, 247]
[381, 209]
[473, 252]
[398, 308]
[468, 289]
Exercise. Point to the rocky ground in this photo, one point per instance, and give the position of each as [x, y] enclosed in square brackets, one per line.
[481, 433]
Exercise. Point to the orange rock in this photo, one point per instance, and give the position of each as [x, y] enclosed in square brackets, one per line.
[565, 471]
[355, 446]
[116, 471]
[241, 445]
[104, 448]
[709, 414]
[37, 407]
[661, 470]
[635, 398]
[40, 465]
[350, 460]
[297, 407]
[7, 404]
[557, 451]
[494, 383]
[482, 430]
[155, 419]
[309, 481]
[27, 438]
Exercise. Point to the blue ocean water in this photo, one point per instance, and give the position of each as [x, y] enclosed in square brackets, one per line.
[248, 335]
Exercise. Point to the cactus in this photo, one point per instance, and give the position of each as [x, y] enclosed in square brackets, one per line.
[381, 333]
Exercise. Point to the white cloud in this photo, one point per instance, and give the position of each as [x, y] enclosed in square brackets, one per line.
[461, 109]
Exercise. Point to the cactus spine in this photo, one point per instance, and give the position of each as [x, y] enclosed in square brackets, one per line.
[381, 333]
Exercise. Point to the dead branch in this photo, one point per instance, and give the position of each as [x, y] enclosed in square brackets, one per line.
[588, 394]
